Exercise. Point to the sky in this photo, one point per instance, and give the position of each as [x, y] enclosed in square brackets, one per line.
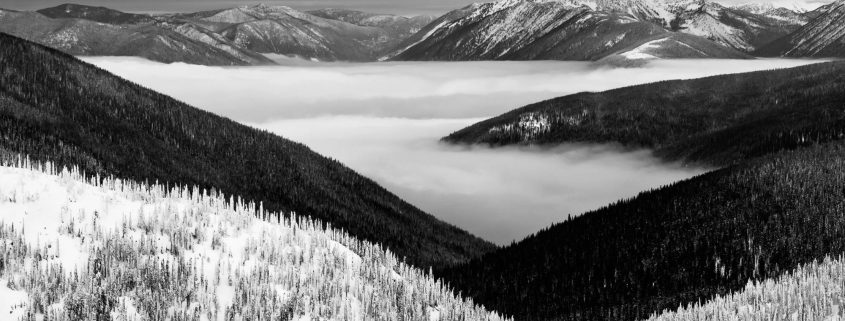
[401, 7]
[384, 120]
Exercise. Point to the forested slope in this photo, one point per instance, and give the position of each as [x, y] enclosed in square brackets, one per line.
[811, 292]
[55, 107]
[74, 248]
[679, 244]
[716, 120]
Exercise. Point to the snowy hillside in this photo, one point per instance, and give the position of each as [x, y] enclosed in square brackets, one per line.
[165, 42]
[232, 36]
[541, 29]
[283, 30]
[590, 30]
[72, 248]
[824, 36]
[811, 292]
[742, 27]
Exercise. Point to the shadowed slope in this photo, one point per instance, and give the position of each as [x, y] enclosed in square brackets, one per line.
[53, 106]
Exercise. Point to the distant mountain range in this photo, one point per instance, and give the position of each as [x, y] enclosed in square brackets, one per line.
[612, 30]
[236, 36]
[587, 30]
[538, 29]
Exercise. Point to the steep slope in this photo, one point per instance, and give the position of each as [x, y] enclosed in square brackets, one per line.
[53, 106]
[793, 13]
[734, 28]
[537, 29]
[741, 28]
[147, 40]
[824, 36]
[679, 244]
[154, 253]
[235, 36]
[716, 120]
[98, 14]
[585, 30]
[399, 27]
[282, 30]
[429, 30]
[813, 291]
[676, 45]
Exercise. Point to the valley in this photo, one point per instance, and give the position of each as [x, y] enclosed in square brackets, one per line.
[538, 160]
[385, 120]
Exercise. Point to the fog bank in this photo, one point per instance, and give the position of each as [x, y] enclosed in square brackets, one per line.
[499, 194]
[384, 120]
[407, 89]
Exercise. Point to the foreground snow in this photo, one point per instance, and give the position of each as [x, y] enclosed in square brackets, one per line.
[812, 292]
[73, 248]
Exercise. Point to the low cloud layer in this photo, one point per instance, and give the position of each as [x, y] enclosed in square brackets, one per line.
[384, 120]
[499, 194]
[410, 90]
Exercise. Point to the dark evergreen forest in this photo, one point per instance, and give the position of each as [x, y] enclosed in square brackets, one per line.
[57, 108]
[777, 202]
[675, 245]
[718, 120]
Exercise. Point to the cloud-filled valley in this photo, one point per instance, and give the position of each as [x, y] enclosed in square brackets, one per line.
[384, 120]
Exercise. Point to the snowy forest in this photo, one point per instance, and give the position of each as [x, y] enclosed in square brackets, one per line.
[75, 247]
[811, 292]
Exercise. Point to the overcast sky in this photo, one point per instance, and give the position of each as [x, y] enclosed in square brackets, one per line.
[403, 7]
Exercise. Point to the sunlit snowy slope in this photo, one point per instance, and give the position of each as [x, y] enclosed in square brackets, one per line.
[812, 292]
[72, 248]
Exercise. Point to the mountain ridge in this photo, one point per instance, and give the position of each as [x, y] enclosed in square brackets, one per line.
[231, 36]
[734, 117]
[823, 36]
[55, 107]
[537, 29]
[568, 25]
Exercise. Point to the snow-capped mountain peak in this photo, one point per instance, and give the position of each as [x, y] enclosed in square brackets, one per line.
[766, 7]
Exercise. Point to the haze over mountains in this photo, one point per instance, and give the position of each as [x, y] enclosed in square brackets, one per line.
[503, 30]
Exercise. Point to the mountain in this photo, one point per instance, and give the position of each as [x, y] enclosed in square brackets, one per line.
[234, 36]
[804, 289]
[586, 30]
[738, 29]
[824, 36]
[716, 120]
[55, 107]
[680, 244]
[77, 249]
[540, 29]
[157, 41]
[398, 28]
[98, 14]
[743, 28]
[282, 30]
[675, 45]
